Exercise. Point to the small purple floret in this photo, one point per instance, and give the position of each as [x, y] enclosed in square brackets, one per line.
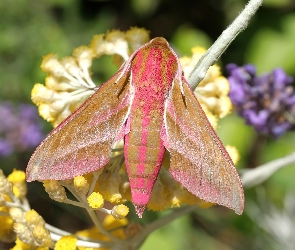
[20, 128]
[266, 102]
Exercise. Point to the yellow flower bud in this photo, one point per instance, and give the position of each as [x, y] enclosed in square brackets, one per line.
[17, 176]
[5, 185]
[120, 211]
[44, 112]
[66, 243]
[19, 245]
[17, 214]
[71, 66]
[55, 190]
[223, 85]
[24, 233]
[84, 55]
[114, 43]
[224, 107]
[42, 236]
[56, 84]
[95, 200]
[41, 94]
[137, 37]
[50, 64]
[81, 184]
[33, 219]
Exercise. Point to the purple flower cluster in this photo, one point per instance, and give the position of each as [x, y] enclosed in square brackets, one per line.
[19, 128]
[266, 102]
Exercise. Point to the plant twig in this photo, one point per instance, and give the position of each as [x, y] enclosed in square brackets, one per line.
[56, 230]
[100, 227]
[254, 177]
[222, 42]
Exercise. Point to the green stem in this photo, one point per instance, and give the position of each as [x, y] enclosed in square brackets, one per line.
[254, 152]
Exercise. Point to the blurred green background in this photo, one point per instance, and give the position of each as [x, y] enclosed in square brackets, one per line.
[30, 29]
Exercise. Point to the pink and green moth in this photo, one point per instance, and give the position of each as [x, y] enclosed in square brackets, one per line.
[149, 103]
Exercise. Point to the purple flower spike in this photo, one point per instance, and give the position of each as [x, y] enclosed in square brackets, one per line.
[5, 148]
[266, 102]
[19, 129]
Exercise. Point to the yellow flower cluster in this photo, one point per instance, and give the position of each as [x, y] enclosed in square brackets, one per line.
[27, 227]
[12, 191]
[113, 182]
[30, 228]
[86, 197]
[119, 43]
[79, 186]
[212, 91]
[69, 82]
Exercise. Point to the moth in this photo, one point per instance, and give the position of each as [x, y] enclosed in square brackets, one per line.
[150, 105]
